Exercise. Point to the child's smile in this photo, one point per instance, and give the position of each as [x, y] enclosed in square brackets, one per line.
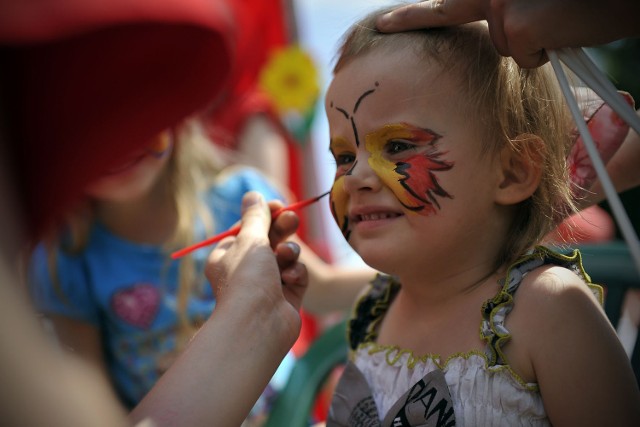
[369, 217]
[403, 156]
[406, 156]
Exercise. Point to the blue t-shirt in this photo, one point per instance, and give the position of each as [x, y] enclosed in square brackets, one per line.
[128, 291]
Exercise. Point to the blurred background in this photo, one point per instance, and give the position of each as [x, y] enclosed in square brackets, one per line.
[621, 62]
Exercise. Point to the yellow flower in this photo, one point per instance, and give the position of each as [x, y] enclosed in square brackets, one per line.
[290, 79]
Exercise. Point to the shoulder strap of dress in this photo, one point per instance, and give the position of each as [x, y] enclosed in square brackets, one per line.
[370, 309]
[495, 310]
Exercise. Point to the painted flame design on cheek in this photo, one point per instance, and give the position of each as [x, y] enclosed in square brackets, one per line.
[412, 180]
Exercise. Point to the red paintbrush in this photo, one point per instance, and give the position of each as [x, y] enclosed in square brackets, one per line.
[235, 230]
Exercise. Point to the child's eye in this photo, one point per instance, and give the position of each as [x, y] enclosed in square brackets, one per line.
[344, 159]
[398, 146]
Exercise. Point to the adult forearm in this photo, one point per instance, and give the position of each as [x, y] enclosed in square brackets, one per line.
[216, 381]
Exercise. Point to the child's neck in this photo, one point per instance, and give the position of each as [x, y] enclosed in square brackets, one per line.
[150, 219]
[447, 314]
[435, 292]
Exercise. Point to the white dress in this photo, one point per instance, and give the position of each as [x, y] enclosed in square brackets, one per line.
[390, 387]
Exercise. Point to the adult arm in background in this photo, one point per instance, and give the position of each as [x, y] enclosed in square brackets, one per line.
[229, 362]
[332, 288]
[523, 29]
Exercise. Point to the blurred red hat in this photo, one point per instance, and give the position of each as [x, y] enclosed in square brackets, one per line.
[84, 82]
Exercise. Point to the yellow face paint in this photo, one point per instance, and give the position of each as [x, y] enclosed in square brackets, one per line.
[404, 157]
[338, 199]
[408, 172]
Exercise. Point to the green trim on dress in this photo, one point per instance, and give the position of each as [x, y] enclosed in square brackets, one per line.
[362, 329]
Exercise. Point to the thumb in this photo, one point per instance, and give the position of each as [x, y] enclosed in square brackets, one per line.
[256, 216]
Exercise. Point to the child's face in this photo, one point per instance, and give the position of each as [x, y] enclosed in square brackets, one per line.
[134, 177]
[410, 175]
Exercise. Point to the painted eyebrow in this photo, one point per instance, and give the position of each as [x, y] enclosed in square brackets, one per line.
[418, 133]
[350, 117]
[339, 142]
[363, 96]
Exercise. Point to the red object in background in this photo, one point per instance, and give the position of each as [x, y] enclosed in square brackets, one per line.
[591, 225]
[263, 27]
[85, 82]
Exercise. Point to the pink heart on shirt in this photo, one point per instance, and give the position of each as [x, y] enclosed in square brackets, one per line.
[137, 305]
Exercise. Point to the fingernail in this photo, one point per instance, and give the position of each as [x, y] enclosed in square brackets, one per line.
[294, 247]
[250, 199]
[384, 19]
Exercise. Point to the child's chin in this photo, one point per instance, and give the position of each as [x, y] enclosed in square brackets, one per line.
[379, 261]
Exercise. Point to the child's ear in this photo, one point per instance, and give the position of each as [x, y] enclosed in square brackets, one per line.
[521, 164]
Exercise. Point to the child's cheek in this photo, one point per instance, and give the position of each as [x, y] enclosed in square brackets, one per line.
[392, 175]
[338, 202]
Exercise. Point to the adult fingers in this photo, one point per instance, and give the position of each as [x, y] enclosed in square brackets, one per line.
[431, 13]
[531, 60]
[514, 32]
[231, 252]
[283, 226]
[494, 15]
[295, 281]
[287, 254]
[256, 218]
[293, 274]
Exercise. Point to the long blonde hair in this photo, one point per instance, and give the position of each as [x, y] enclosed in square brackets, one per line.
[508, 100]
[194, 164]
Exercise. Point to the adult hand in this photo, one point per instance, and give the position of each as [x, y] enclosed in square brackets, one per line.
[258, 263]
[524, 29]
[259, 285]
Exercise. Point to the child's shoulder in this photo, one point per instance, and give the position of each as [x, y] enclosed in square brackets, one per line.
[555, 304]
[554, 285]
[559, 279]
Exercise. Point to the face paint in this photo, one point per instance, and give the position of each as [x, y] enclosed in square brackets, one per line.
[338, 200]
[341, 149]
[405, 158]
[343, 152]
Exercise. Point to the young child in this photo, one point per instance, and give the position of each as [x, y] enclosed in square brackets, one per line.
[108, 285]
[451, 167]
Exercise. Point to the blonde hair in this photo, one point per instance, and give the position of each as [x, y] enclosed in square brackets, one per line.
[509, 102]
[192, 168]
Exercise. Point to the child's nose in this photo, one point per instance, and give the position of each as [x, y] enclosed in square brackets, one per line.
[361, 177]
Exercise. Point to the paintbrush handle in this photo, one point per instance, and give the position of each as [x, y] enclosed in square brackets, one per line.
[233, 231]
[236, 229]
